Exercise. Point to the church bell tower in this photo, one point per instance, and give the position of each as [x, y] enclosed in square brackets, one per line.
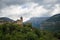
[21, 18]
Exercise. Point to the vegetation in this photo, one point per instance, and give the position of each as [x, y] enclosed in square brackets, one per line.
[9, 31]
[52, 23]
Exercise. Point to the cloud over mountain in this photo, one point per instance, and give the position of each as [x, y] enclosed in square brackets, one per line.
[28, 8]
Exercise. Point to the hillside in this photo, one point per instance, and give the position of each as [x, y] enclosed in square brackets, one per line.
[52, 24]
[54, 18]
[36, 21]
[6, 19]
[16, 32]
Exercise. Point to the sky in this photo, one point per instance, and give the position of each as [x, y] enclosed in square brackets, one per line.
[14, 9]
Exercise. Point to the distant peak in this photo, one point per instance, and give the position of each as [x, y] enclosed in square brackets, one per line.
[57, 14]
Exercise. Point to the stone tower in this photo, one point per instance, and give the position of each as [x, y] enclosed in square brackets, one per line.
[21, 18]
[20, 21]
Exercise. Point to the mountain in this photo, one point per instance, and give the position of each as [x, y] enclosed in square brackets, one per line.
[52, 24]
[6, 19]
[54, 18]
[36, 21]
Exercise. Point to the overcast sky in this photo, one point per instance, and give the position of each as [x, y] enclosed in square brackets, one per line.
[28, 8]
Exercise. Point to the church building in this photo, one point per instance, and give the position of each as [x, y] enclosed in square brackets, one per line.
[19, 22]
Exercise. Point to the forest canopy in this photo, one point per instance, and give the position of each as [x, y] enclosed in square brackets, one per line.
[10, 31]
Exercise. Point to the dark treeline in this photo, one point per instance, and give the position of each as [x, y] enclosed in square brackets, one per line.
[9, 31]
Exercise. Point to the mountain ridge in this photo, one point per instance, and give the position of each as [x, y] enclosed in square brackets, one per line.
[36, 21]
[6, 19]
[52, 24]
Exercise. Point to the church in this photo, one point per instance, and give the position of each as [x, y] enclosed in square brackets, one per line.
[20, 21]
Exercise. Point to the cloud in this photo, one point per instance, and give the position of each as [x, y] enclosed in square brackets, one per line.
[28, 8]
[50, 1]
[56, 9]
[4, 3]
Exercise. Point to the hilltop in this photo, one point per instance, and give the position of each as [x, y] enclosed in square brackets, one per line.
[52, 24]
[6, 19]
